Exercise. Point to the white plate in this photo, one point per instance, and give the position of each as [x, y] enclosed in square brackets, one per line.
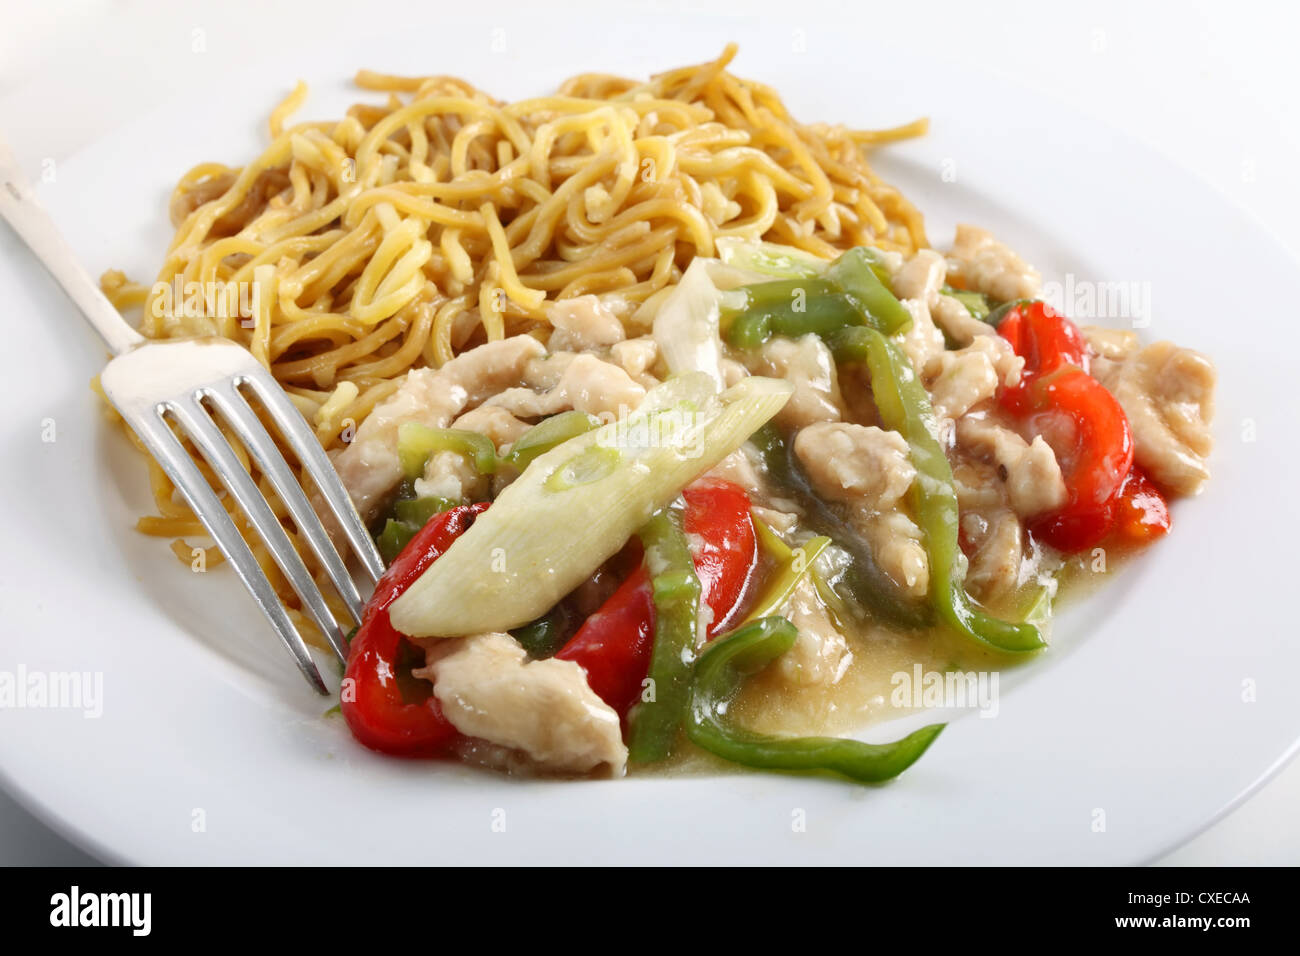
[1166, 699]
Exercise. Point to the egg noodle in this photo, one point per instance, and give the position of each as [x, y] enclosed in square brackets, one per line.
[352, 251]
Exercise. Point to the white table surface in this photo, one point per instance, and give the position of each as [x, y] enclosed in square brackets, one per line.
[1211, 85]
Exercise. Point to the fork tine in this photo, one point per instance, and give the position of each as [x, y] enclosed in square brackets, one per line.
[175, 461]
[194, 419]
[239, 414]
[317, 464]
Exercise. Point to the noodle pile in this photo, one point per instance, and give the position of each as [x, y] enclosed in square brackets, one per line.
[410, 231]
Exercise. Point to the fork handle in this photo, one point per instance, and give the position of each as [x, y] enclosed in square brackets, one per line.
[18, 206]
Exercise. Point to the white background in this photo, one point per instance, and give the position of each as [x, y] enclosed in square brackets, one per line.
[1211, 85]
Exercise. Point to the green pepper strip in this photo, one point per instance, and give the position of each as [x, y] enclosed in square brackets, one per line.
[782, 292]
[416, 442]
[817, 315]
[718, 676]
[418, 511]
[853, 292]
[543, 637]
[653, 726]
[904, 407]
[545, 435]
[995, 317]
[868, 587]
[977, 303]
[856, 273]
[395, 536]
[407, 516]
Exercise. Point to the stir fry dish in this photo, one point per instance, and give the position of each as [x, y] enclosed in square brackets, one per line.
[678, 438]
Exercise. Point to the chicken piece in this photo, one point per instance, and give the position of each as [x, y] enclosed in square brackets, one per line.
[820, 655]
[807, 364]
[857, 464]
[1113, 345]
[1007, 365]
[369, 466]
[585, 383]
[994, 570]
[977, 485]
[732, 372]
[1032, 476]
[782, 522]
[869, 469]
[983, 264]
[955, 319]
[450, 475]
[494, 422]
[898, 546]
[963, 379]
[581, 323]
[1168, 395]
[739, 468]
[489, 689]
[638, 358]
[917, 286]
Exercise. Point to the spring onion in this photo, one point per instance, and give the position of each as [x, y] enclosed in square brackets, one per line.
[795, 563]
[553, 526]
[545, 435]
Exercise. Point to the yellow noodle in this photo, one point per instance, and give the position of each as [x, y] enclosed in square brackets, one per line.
[440, 217]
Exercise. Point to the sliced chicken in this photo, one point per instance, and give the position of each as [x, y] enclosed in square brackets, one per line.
[981, 263]
[917, 286]
[869, 470]
[583, 322]
[637, 357]
[494, 422]
[369, 466]
[820, 654]
[1110, 344]
[807, 364]
[1168, 395]
[450, 475]
[490, 690]
[860, 465]
[963, 379]
[994, 570]
[566, 381]
[955, 319]
[1029, 470]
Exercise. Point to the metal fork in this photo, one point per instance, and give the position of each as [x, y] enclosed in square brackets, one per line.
[161, 388]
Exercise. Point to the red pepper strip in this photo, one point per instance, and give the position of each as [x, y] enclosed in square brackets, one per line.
[1046, 340]
[723, 545]
[1087, 429]
[615, 643]
[1141, 512]
[371, 698]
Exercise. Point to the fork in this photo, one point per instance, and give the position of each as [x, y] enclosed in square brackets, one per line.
[162, 388]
